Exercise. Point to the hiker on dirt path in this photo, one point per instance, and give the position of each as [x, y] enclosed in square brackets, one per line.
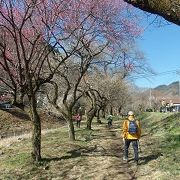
[78, 120]
[109, 120]
[131, 134]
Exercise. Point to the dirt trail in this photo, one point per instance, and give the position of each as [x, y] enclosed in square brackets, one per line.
[102, 160]
[109, 163]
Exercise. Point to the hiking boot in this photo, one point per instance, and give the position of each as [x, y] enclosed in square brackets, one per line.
[136, 162]
[125, 159]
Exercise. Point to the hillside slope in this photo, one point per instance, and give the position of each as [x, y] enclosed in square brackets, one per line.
[15, 122]
[161, 139]
[169, 90]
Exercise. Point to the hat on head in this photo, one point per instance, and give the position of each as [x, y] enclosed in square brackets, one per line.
[131, 113]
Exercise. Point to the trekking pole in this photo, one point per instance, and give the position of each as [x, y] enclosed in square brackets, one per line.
[139, 146]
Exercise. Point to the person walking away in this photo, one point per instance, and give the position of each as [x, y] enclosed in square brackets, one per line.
[131, 134]
[78, 120]
[109, 119]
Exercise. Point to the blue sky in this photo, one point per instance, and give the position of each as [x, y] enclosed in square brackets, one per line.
[161, 46]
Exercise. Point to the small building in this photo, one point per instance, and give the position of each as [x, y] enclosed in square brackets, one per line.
[176, 107]
[170, 104]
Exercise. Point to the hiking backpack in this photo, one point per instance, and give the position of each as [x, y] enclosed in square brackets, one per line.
[132, 127]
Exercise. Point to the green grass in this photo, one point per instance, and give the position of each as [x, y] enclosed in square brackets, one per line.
[16, 160]
[60, 155]
[165, 130]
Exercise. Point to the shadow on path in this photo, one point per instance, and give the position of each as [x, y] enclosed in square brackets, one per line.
[146, 159]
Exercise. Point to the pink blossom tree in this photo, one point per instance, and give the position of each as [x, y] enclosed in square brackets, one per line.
[93, 28]
[39, 38]
[27, 51]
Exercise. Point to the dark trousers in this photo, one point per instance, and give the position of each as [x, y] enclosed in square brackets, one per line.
[135, 147]
[109, 123]
[78, 124]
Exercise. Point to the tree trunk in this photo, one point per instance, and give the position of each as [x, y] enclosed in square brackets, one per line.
[90, 116]
[103, 113]
[18, 100]
[111, 110]
[68, 117]
[98, 116]
[36, 136]
[119, 110]
[89, 122]
[168, 9]
[71, 130]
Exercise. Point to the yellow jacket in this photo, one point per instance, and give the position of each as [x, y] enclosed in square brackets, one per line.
[126, 135]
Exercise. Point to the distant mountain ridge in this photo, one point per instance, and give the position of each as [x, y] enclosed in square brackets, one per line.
[172, 89]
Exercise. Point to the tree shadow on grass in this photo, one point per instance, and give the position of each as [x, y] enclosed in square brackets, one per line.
[75, 153]
[87, 151]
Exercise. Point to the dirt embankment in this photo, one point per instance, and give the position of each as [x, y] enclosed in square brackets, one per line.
[15, 122]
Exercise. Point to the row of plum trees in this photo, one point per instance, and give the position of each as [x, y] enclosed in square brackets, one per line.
[65, 46]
